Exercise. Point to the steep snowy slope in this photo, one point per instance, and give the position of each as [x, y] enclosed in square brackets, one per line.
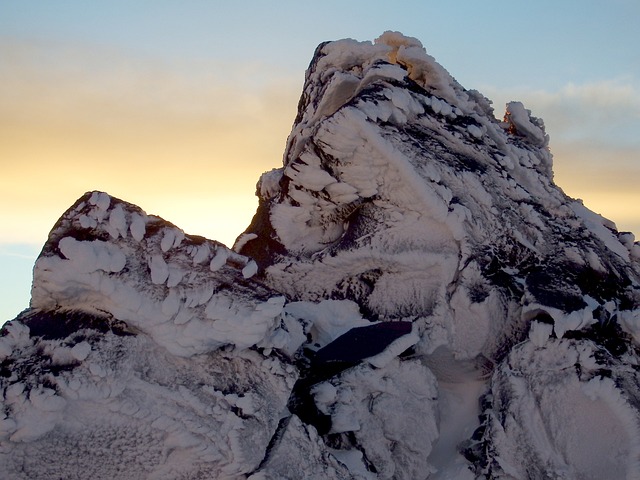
[415, 298]
[401, 191]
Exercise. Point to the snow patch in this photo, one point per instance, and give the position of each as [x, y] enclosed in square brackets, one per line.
[81, 351]
[219, 259]
[539, 333]
[250, 269]
[138, 226]
[100, 200]
[329, 318]
[117, 222]
[159, 269]
[90, 256]
[521, 121]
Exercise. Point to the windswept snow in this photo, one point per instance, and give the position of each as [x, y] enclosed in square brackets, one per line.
[90, 275]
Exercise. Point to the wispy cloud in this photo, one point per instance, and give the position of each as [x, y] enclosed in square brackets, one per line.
[594, 138]
[606, 112]
[21, 251]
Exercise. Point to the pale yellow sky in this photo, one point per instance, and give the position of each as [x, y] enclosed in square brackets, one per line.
[191, 146]
[189, 149]
[196, 171]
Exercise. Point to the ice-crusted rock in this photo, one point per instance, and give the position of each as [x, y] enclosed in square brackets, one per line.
[411, 199]
[402, 192]
[139, 356]
[189, 294]
[414, 299]
[115, 405]
[299, 452]
[150, 353]
[564, 409]
[364, 402]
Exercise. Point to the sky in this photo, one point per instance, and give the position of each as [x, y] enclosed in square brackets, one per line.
[178, 107]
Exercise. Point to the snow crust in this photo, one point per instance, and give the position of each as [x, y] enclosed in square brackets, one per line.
[166, 386]
[329, 318]
[125, 408]
[520, 120]
[365, 401]
[569, 422]
[174, 298]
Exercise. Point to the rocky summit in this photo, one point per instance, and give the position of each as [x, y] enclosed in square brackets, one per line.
[414, 299]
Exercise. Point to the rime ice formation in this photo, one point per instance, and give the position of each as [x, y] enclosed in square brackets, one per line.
[414, 299]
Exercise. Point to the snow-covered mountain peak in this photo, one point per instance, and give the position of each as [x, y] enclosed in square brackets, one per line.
[408, 199]
[359, 94]
[414, 299]
[343, 68]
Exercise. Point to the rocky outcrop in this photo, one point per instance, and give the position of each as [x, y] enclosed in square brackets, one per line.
[415, 298]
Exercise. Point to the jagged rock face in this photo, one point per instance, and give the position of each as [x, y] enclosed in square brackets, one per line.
[560, 409]
[108, 257]
[92, 405]
[513, 347]
[118, 369]
[149, 353]
[401, 191]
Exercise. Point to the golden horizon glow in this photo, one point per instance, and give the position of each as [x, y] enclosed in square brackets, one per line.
[187, 149]
[190, 147]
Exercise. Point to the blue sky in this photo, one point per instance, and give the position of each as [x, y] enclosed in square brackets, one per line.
[494, 41]
[179, 106]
